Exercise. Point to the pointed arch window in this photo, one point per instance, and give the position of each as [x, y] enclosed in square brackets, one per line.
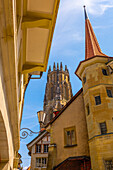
[51, 93]
[65, 91]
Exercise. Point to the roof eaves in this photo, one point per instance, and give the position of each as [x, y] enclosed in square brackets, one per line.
[37, 137]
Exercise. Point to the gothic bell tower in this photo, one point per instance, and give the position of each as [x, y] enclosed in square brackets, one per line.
[58, 91]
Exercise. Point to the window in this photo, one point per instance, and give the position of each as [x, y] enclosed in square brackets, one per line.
[104, 71]
[84, 79]
[65, 91]
[41, 162]
[44, 162]
[69, 136]
[103, 128]
[109, 92]
[38, 148]
[38, 162]
[45, 148]
[88, 109]
[97, 100]
[109, 164]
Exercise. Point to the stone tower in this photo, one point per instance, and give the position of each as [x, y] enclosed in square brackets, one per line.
[97, 80]
[58, 91]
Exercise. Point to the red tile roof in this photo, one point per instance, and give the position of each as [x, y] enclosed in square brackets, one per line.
[92, 47]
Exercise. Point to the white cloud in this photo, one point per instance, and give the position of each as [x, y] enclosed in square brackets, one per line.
[95, 7]
[70, 18]
[29, 117]
[25, 168]
[77, 37]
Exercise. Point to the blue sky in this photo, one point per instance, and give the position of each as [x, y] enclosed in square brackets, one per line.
[68, 47]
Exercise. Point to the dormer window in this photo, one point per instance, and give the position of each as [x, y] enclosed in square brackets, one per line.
[104, 71]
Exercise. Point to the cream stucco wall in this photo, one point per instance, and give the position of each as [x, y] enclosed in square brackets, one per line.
[6, 141]
[74, 115]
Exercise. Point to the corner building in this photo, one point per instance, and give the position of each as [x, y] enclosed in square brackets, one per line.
[97, 79]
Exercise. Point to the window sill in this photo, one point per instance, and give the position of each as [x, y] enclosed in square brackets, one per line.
[68, 146]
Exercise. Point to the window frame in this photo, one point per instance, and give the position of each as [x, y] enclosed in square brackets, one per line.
[103, 130]
[111, 91]
[104, 72]
[97, 102]
[38, 163]
[45, 162]
[46, 148]
[38, 145]
[110, 165]
[72, 143]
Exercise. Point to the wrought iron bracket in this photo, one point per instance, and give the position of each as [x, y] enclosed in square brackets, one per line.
[25, 132]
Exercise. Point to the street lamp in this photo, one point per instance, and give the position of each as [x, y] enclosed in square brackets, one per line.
[41, 117]
[25, 132]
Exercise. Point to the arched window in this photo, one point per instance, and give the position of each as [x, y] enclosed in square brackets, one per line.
[65, 91]
[51, 93]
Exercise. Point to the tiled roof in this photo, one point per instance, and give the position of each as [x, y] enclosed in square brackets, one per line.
[92, 47]
[73, 163]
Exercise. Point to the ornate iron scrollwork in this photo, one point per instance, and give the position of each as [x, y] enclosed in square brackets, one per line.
[25, 132]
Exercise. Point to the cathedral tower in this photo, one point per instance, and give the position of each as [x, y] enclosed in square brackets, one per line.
[97, 80]
[58, 90]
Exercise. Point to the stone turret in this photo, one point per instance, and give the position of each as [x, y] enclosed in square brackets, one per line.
[97, 83]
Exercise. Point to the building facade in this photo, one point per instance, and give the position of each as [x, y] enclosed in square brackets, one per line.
[69, 137]
[19, 60]
[38, 150]
[58, 91]
[92, 111]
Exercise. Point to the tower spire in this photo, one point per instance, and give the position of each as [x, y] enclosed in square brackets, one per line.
[92, 47]
[49, 69]
[85, 13]
[54, 67]
[61, 67]
[57, 66]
